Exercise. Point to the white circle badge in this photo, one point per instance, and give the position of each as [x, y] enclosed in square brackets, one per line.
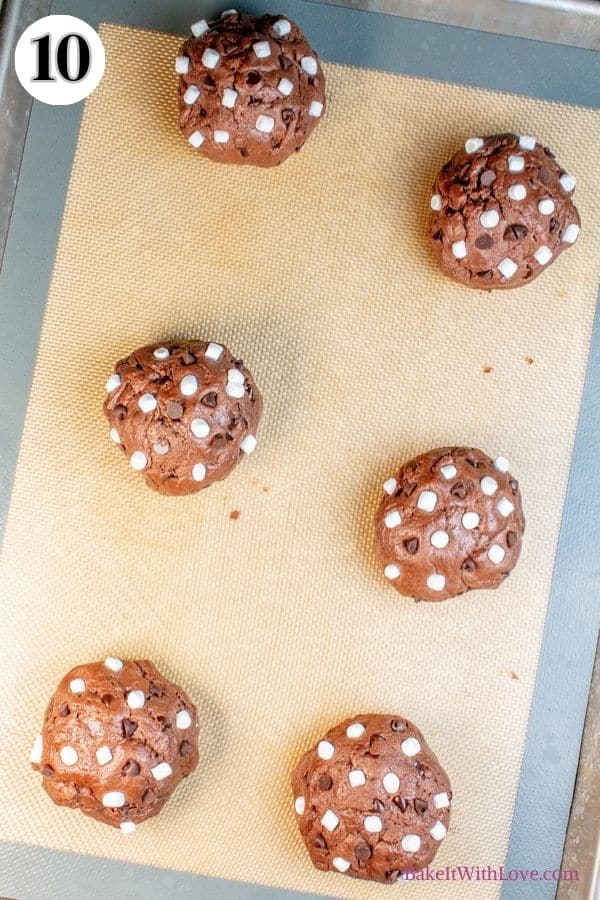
[59, 60]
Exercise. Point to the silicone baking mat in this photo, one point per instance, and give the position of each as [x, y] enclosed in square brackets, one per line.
[279, 622]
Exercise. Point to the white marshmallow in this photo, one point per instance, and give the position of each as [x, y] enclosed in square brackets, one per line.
[161, 353]
[489, 486]
[248, 445]
[516, 163]
[136, 699]
[315, 109]
[191, 95]
[472, 145]
[325, 750]
[229, 98]
[182, 64]
[183, 719]
[496, 554]
[373, 824]
[115, 436]
[546, 206]
[567, 182]
[188, 385]
[449, 472]
[517, 192]
[389, 486]
[77, 686]
[161, 447]
[501, 463]
[427, 501]
[285, 87]
[229, 12]
[441, 801]
[282, 27]
[543, 255]
[262, 49]
[459, 249]
[113, 799]
[213, 351]
[161, 771]
[470, 520]
[127, 827]
[356, 778]
[436, 582]
[489, 218]
[266, 124]
[411, 843]
[526, 142]
[221, 137]
[235, 376]
[113, 382]
[299, 805]
[570, 234]
[210, 58]
[37, 750]
[355, 730]
[391, 783]
[330, 821]
[391, 571]
[505, 507]
[234, 390]
[114, 664]
[439, 539]
[103, 755]
[436, 202]
[392, 519]
[309, 65]
[199, 428]
[438, 832]
[147, 403]
[138, 461]
[507, 267]
[196, 139]
[68, 755]
[342, 865]
[199, 28]
[199, 472]
[410, 746]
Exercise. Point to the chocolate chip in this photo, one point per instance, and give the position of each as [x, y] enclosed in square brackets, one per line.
[483, 242]
[378, 806]
[325, 782]
[185, 749]
[473, 462]
[420, 771]
[188, 358]
[401, 803]
[458, 490]
[209, 81]
[131, 768]
[397, 725]
[209, 399]
[63, 709]
[253, 78]
[420, 806]
[468, 565]
[243, 152]
[47, 772]
[410, 488]
[107, 699]
[549, 153]
[514, 484]
[412, 545]
[511, 539]
[362, 851]
[285, 62]
[320, 842]
[250, 392]
[287, 115]
[515, 232]
[174, 410]
[155, 690]
[554, 224]
[120, 412]
[128, 727]
[487, 177]
[486, 274]
[543, 176]
[218, 441]
[438, 236]
[148, 796]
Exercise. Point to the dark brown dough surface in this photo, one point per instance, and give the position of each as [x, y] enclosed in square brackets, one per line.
[103, 752]
[528, 214]
[371, 799]
[252, 91]
[450, 521]
[183, 412]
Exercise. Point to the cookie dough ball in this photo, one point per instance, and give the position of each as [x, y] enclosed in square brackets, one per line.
[183, 413]
[251, 90]
[502, 212]
[450, 521]
[117, 739]
[371, 799]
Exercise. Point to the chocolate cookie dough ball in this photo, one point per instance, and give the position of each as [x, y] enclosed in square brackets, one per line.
[502, 212]
[450, 521]
[183, 413]
[251, 90]
[117, 739]
[371, 799]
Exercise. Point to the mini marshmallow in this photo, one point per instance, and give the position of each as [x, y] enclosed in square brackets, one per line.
[248, 445]
[196, 139]
[543, 255]
[501, 463]
[114, 664]
[229, 12]
[516, 163]
[410, 746]
[285, 87]
[199, 428]
[373, 824]
[127, 827]
[161, 352]
[37, 750]
[115, 436]
[234, 390]
[330, 821]
[265, 124]
[282, 27]
[472, 145]
[262, 49]
[103, 755]
[427, 501]
[138, 461]
[441, 801]
[449, 472]
[357, 778]
[439, 539]
[489, 486]
[221, 137]
[392, 519]
[459, 249]
[199, 472]
[570, 234]
[438, 832]
[526, 142]
[411, 843]
[136, 699]
[546, 206]
[470, 520]
[355, 730]
[517, 192]
[68, 755]
[113, 382]
[299, 805]
[161, 447]
[505, 507]
[147, 403]
[213, 351]
[436, 202]
[77, 686]
[315, 109]
[489, 218]
[389, 486]
[309, 65]
[436, 582]
[161, 771]
[182, 64]
[113, 799]
[567, 182]
[199, 28]
[342, 865]
[229, 98]
[191, 95]
[188, 385]
[210, 58]
[391, 572]
[391, 783]
[496, 554]
[183, 719]
[325, 750]
[235, 376]
[507, 267]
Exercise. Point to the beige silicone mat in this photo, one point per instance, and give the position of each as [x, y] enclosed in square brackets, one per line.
[279, 622]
